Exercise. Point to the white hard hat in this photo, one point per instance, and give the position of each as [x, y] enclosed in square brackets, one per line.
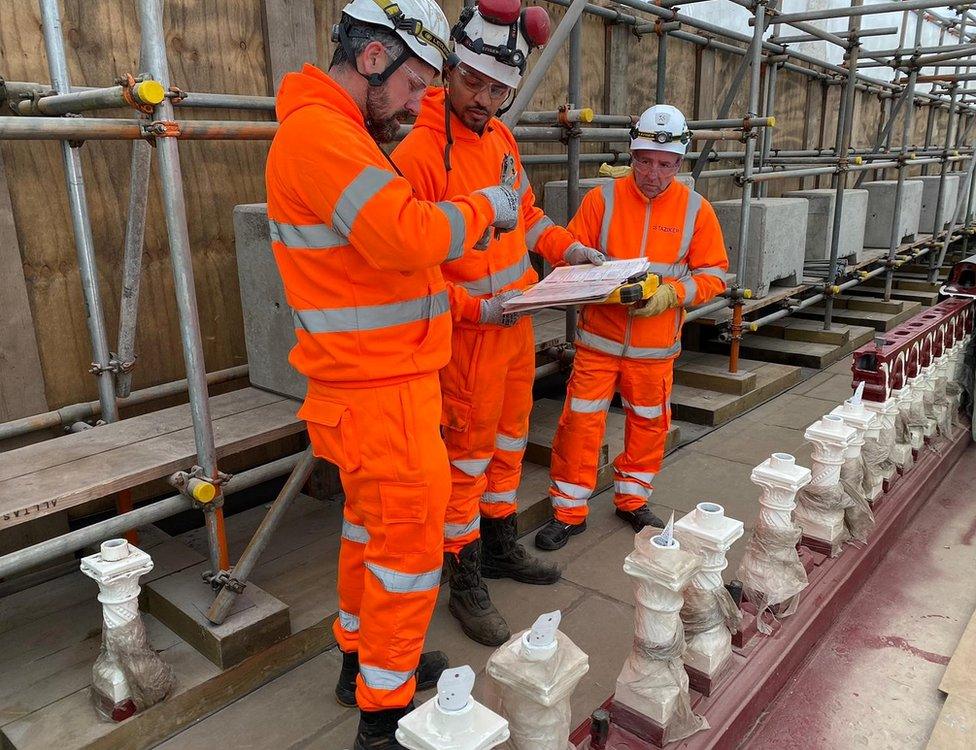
[495, 38]
[420, 23]
[661, 128]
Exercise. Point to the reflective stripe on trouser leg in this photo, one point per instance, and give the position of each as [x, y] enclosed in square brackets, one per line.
[397, 483]
[645, 389]
[512, 430]
[579, 436]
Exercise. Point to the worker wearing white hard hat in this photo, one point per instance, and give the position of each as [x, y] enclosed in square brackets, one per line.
[373, 331]
[631, 349]
[458, 145]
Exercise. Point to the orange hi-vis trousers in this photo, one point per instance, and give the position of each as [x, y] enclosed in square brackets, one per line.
[386, 441]
[487, 389]
[645, 390]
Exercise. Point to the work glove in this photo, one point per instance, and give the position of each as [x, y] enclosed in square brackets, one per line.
[664, 298]
[505, 203]
[491, 310]
[579, 254]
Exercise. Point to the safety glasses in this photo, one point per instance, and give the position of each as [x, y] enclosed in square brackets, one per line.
[417, 84]
[476, 84]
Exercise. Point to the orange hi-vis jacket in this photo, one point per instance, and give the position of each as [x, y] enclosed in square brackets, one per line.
[359, 255]
[680, 234]
[505, 264]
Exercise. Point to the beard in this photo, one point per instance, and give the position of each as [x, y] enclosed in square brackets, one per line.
[383, 128]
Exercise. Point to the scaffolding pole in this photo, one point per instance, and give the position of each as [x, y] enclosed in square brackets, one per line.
[174, 208]
[101, 367]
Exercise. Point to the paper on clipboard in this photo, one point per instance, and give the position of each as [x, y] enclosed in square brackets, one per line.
[573, 285]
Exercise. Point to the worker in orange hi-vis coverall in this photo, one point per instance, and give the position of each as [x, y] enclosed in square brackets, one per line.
[359, 255]
[457, 146]
[632, 349]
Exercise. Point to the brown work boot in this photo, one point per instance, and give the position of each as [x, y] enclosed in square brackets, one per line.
[469, 601]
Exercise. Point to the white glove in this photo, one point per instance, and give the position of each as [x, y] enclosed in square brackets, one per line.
[505, 203]
[579, 254]
[492, 313]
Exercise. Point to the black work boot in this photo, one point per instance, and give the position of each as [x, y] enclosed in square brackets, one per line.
[555, 534]
[503, 557]
[640, 517]
[377, 729]
[428, 672]
[470, 602]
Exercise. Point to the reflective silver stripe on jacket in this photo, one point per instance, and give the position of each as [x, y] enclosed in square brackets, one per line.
[473, 467]
[532, 236]
[500, 497]
[669, 270]
[383, 679]
[457, 530]
[589, 405]
[616, 349]
[607, 190]
[507, 443]
[348, 622]
[396, 582]
[647, 412]
[372, 317]
[716, 271]
[455, 220]
[356, 195]
[354, 533]
[498, 280]
[691, 215]
[306, 236]
[691, 288]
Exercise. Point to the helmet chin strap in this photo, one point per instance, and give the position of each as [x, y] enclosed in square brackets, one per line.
[373, 79]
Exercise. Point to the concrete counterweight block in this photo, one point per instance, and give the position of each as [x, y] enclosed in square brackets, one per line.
[881, 212]
[776, 241]
[927, 222]
[269, 326]
[820, 222]
[554, 199]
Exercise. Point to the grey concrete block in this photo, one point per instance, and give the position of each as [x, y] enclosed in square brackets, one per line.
[554, 198]
[820, 222]
[777, 236]
[927, 222]
[269, 331]
[881, 212]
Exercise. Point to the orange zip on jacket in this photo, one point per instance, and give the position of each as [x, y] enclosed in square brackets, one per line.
[357, 252]
[680, 234]
[505, 264]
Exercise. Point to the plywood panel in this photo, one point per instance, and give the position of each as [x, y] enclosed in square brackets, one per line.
[213, 46]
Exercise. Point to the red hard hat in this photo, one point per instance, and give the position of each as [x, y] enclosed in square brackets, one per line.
[501, 12]
[535, 25]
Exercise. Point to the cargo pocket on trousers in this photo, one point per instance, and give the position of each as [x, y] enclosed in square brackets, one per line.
[455, 413]
[404, 511]
[332, 432]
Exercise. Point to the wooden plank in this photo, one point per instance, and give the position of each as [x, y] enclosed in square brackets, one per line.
[255, 622]
[21, 378]
[289, 37]
[60, 487]
[960, 675]
[67, 448]
[955, 729]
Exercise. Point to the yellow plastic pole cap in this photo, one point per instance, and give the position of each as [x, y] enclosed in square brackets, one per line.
[746, 294]
[858, 160]
[149, 92]
[753, 327]
[201, 491]
[772, 122]
[586, 115]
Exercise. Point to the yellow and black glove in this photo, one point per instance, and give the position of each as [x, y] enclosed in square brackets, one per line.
[665, 298]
